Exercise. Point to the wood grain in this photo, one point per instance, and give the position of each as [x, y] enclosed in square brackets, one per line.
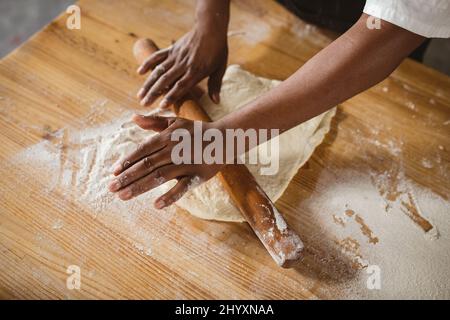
[52, 82]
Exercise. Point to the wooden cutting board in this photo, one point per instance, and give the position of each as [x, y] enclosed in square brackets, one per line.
[80, 78]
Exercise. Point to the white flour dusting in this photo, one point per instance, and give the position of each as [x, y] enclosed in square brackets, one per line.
[80, 163]
[280, 222]
[58, 224]
[95, 160]
[374, 229]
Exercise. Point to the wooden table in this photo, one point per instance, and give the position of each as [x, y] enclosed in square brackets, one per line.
[52, 82]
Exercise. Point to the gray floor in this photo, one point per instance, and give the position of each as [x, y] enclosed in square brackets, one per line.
[19, 19]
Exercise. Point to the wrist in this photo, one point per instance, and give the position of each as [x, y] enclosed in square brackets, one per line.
[212, 15]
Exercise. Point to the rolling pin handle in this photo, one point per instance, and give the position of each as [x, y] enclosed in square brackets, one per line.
[143, 48]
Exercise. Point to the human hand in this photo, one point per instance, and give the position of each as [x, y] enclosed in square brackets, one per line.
[201, 53]
[151, 164]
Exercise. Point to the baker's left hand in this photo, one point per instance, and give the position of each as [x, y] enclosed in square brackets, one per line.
[151, 165]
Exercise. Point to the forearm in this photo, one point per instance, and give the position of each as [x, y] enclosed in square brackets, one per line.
[212, 14]
[357, 60]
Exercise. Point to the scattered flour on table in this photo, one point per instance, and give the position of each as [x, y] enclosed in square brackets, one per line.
[58, 224]
[78, 163]
[373, 228]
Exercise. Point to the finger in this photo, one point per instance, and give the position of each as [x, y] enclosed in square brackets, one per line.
[174, 194]
[152, 122]
[215, 83]
[154, 144]
[150, 81]
[140, 169]
[153, 77]
[179, 90]
[158, 177]
[153, 60]
[166, 81]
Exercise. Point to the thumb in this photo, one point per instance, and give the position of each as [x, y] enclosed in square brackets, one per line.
[152, 122]
[215, 83]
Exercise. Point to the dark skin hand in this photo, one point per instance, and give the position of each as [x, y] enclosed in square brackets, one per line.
[150, 165]
[199, 54]
[356, 61]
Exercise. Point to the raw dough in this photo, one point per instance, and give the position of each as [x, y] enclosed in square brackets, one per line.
[210, 200]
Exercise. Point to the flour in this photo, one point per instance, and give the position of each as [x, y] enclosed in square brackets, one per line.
[79, 163]
[94, 153]
[58, 224]
[142, 249]
[279, 221]
[413, 260]
[426, 163]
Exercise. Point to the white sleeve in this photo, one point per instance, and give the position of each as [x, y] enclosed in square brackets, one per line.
[428, 18]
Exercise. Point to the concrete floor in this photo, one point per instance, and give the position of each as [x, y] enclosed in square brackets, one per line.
[19, 19]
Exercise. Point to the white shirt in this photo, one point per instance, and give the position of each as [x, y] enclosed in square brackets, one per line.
[428, 18]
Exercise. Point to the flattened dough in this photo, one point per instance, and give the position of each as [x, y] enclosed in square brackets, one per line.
[210, 200]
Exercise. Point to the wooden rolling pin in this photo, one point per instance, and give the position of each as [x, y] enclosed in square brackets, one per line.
[283, 244]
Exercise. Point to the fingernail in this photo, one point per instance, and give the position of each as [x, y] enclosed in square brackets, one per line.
[160, 204]
[139, 70]
[114, 186]
[125, 194]
[140, 92]
[216, 97]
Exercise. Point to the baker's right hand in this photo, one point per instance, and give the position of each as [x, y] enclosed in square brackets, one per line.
[200, 53]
